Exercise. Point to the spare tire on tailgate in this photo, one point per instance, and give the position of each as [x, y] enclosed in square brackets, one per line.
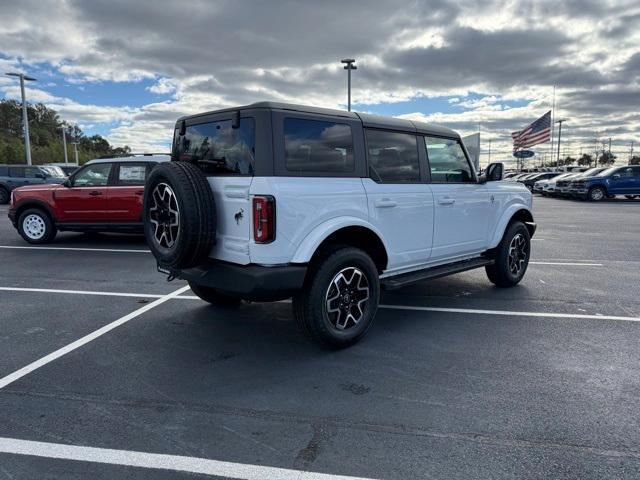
[179, 215]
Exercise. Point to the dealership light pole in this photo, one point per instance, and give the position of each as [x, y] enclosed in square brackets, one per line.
[64, 144]
[25, 120]
[349, 65]
[559, 139]
[75, 147]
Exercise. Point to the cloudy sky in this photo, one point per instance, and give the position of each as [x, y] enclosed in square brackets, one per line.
[127, 69]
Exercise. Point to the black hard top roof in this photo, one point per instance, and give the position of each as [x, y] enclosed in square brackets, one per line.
[368, 120]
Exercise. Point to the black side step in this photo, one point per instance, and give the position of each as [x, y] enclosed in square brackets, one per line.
[398, 281]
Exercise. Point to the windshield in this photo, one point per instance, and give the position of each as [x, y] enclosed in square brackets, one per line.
[607, 172]
[55, 172]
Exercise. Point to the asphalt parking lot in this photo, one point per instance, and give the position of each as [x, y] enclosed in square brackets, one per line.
[104, 374]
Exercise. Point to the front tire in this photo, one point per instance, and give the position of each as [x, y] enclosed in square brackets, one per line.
[214, 297]
[597, 194]
[512, 257]
[339, 300]
[35, 226]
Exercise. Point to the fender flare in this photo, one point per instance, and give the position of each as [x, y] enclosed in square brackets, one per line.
[34, 203]
[506, 217]
[321, 232]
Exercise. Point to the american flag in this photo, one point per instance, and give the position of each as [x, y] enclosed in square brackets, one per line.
[538, 132]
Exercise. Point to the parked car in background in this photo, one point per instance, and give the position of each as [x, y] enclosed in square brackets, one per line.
[609, 183]
[102, 196]
[67, 168]
[532, 179]
[566, 187]
[13, 176]
[549, 186]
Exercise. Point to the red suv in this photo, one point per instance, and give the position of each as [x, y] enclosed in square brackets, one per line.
[103, 195]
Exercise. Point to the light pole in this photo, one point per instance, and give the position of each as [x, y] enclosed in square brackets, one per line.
[349, 65]
[75, 147]
[64, 145]
[559, 139]
[25, 120]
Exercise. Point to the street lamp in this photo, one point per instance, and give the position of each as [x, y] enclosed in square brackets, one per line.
[349, 65]
[75, 148]
[559, 138]
[25, 120]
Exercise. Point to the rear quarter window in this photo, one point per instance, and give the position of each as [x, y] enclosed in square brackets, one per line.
[318, 146]
[4, 171]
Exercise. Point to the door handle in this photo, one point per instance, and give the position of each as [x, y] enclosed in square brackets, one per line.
[385, 203]
[95, 193]
[446, 201]
[140, 192]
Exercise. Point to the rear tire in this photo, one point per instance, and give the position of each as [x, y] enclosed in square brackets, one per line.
[35, 226]
[214, 297]
[512, 256]
[339, 300]
[4, 196]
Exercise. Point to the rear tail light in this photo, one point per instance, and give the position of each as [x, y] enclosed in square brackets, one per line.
[264, 219]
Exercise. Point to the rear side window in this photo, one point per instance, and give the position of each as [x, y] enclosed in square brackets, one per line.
[131, 174]
[17, 172]
[4, 171]
[447, 161]
[218, 148]
[393, 156]
[318, 146]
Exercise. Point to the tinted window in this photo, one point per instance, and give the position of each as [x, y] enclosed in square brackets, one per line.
[96, 175]
[33, 172]
[393, 157]
[16, 172]
[628, 172]
[4, 171]
[317, 146]
[132, 174]
[447, 161]
[218, 148]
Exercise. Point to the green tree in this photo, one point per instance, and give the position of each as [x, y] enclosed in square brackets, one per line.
[607, 158]
[569, 160]
[585, 160]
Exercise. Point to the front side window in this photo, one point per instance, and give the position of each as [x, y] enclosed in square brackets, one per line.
[447, 161]
[135, 174]
[393, 156]
[96, 175]
[318, 146]
[219, 148]
[33, 172]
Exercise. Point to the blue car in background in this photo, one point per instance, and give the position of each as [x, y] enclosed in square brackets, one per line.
[14, 176]
[609, 183]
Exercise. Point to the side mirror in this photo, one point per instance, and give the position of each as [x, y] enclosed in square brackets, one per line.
[41, 175]
[616, 176]
[67, 183]
[493, 173]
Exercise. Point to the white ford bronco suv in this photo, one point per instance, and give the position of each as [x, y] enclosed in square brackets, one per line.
[271, 201]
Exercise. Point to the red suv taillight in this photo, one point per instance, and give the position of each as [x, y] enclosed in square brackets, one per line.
[264, 218]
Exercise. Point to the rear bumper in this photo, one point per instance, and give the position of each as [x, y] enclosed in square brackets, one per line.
[250, 282]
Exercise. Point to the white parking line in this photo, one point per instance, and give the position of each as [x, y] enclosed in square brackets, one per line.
[176, 463]
[176, 296]
[87, 338]
[512, 313]
[569, 264]
[81, 292]
[74, 249]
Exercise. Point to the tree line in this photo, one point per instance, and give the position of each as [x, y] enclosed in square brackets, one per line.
[45, 133]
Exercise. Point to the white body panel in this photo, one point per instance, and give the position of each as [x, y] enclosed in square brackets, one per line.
[403, 213]
[420, 225]
[233, 234]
